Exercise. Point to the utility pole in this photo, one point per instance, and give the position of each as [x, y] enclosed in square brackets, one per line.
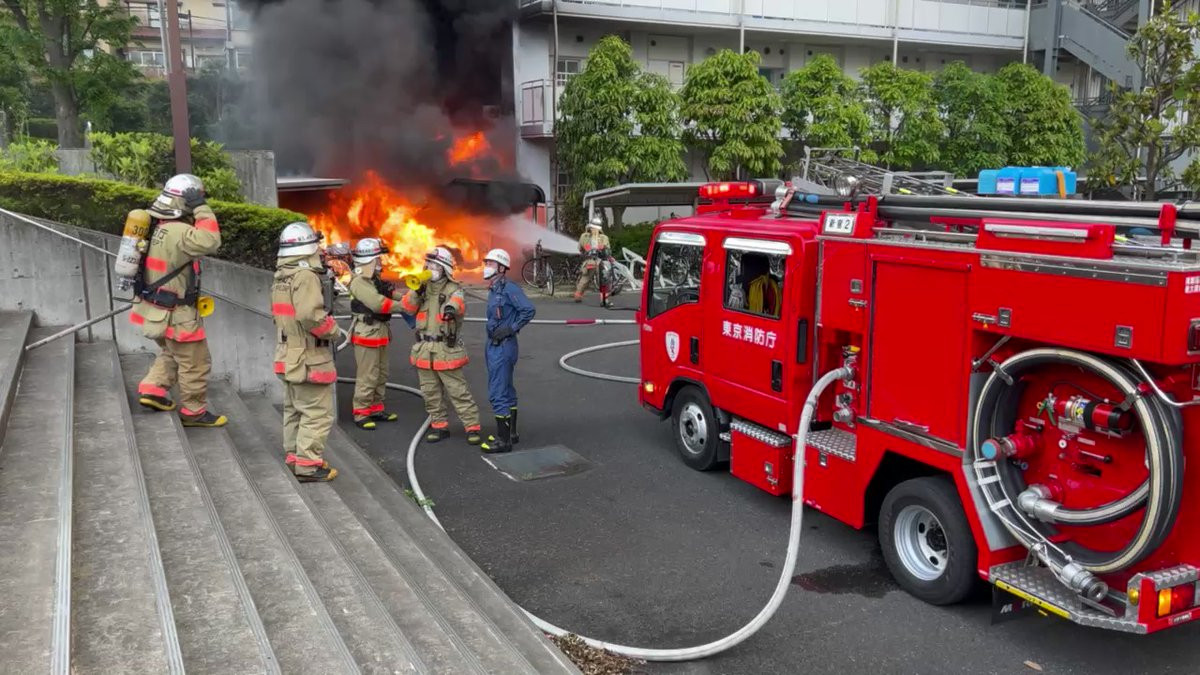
[177, 84]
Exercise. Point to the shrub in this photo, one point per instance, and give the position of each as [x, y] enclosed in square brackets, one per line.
[42, 127]
[249, 232]
[636, 238]
[149, 159]
[32, 154]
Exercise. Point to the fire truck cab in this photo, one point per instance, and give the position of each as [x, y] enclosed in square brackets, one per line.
[1020, 404]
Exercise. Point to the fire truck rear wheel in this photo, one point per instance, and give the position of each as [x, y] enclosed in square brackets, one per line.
[927, 542]
[695, 427]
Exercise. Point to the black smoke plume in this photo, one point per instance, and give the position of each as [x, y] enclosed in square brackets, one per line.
[347, 86]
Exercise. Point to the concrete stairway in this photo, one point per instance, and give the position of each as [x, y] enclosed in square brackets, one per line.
[129, 544]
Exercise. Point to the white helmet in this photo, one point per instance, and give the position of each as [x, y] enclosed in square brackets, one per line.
[169, 204]
[177, 185]
[367, 250]
[298, 239]
[596, 224]
[442, 256]
[499, 256]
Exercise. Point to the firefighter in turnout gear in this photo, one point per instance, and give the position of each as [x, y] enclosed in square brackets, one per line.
[508, 311]
[166, 292]
[303, 356]
[438, 352]
[593, 244]
[372, 302]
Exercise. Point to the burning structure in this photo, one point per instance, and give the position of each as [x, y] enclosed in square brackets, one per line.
[400, 98]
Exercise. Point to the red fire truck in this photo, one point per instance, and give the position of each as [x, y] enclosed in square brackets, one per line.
[1021, 403]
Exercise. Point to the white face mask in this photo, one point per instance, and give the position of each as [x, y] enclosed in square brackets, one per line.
[490, 271]
[435, 272]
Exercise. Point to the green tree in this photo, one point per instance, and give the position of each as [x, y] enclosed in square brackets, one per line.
[1145, 131]
[971, 105]
[55, 38]
[732, 116]
[822, 106]
[618, 124]
[15, 87]
[1043, 126]
[905, 127]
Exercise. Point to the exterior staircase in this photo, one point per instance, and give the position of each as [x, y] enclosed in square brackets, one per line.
[1096, 32]
[131, 544]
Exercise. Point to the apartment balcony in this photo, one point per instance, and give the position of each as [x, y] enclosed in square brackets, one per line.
[998, 24]
[535, 118]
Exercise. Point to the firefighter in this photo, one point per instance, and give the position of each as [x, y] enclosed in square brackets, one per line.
[371, 304]
[593, 244]
[303, 354]
[438, 353]
[508, 311]
[166, 295]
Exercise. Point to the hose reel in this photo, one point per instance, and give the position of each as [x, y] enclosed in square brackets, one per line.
[1029, 512]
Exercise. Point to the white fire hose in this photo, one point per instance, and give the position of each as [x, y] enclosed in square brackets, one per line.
[789, 566]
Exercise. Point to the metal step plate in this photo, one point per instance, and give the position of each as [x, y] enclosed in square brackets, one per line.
[837, 442]
[1039, 586]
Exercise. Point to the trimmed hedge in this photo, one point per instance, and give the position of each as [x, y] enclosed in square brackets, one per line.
[249, 233]
[636, 238]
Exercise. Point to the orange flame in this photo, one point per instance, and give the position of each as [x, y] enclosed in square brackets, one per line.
[408, 230]
[468, 148]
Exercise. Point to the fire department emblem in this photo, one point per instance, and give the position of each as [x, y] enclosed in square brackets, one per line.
[673, 345]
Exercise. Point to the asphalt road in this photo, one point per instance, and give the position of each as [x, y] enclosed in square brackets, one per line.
[641, 550]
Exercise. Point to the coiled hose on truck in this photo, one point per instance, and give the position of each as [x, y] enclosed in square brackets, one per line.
[793, 550]
[995, 417]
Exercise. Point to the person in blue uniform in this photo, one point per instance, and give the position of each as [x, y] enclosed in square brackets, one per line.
[508, 311]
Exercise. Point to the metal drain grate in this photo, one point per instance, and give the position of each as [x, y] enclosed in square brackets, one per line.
[546, 462]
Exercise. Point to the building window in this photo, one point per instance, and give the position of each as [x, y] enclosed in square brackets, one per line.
[210, 61]
[754, 282]
[562, 185]
[242, 59]
[567, 68]
[146, 59]
[675, 271]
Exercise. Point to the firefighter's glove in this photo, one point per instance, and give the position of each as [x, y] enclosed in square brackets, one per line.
[501, 334]
[193, 197]
[449, 313]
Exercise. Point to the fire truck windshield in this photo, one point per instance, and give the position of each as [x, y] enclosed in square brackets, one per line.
[675, 275]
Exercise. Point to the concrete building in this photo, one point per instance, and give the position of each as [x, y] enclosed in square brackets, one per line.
[552, 38]
[211, 32]
[1080, 43]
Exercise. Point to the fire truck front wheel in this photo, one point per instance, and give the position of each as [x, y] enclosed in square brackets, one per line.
[695, 427]
[927, 542]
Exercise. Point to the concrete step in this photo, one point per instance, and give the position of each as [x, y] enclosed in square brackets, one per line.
[35, 512]
[218, 625]
[120, 611]
[473, 603]
[14, 329]
[377, 643]
[449, 633]
[302, 633]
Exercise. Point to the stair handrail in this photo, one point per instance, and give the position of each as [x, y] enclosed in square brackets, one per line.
[90, 321]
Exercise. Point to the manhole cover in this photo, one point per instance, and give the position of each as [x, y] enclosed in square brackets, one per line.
[547, 462]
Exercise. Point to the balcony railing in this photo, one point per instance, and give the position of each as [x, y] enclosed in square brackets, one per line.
[1005, 18]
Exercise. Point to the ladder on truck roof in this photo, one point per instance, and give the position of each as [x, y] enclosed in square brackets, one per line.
[824, 166]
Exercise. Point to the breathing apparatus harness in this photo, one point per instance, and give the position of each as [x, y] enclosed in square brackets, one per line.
[154, 293]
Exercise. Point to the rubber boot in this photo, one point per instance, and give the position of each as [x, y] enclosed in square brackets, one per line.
[367, 423]
[384, 416]
[436, 435]
[512, 426]
[474, 437]
[324, 474]
[579, 297]
[156, 402]
[204, 419]
[502, 441]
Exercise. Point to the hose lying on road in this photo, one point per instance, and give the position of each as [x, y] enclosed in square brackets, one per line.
[781, 587]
